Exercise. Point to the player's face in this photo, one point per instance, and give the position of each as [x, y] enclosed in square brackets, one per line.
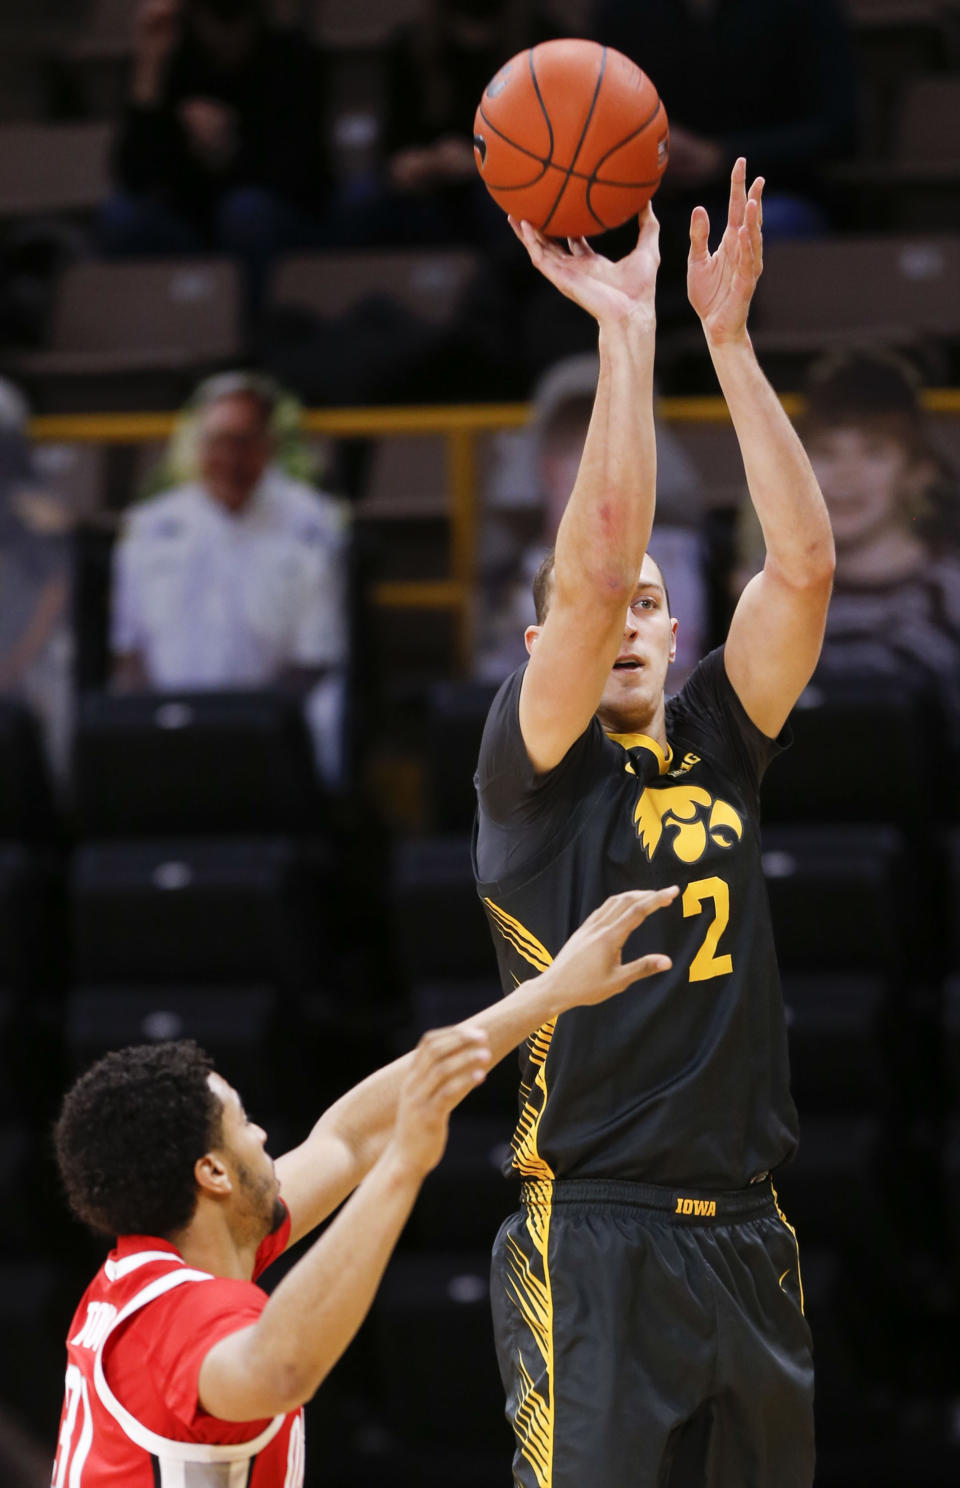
[865, 477]
[243, 1146]
[635, 686]
[234, 449]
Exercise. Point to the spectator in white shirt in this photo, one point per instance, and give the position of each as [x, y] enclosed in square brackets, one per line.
[236, 579]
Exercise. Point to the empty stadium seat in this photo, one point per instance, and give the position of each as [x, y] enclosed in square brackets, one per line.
[466, 1198]
[194, 764]
[457, 712]
[928, 124]
[52, 167]
[26, 802]
[837, 1064]
[125, 332]
[436, 1004]
[440, 925]
[32, 930]
[836, 292]
[839, 897]
[427, 282]
[835, 770]
[953, 899]
[193, 911]
[830, 1186]
[426, 1305]
[243, 1028]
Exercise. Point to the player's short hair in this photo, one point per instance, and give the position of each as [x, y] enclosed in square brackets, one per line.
[129, 1133]
[543, 583]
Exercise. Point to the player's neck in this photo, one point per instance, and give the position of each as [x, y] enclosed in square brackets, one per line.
[208, 1244]
[651, 725]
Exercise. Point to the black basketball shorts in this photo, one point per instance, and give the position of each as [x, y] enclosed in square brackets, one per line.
[653, 1338]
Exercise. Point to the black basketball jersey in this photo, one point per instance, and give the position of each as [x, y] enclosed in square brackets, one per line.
[684, 1077]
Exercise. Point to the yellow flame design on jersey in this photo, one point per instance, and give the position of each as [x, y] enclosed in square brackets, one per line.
[683, 809]
[529, 1275]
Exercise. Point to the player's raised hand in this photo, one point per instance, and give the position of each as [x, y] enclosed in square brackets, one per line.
[611, 291]
[447, 1064]
[590, 967]
[720, 285]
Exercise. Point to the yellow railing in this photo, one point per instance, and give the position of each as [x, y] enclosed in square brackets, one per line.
[459, 424]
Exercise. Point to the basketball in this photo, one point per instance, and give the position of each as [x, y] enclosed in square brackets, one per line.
[572, 136]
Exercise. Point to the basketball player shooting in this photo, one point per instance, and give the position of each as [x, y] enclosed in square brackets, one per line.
[647, 1298]
[181, 1373]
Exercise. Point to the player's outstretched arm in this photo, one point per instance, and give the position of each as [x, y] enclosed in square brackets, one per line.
[606, 526]
[348, 1139]
[278, 1363]
[316, 1310]
[777, 629]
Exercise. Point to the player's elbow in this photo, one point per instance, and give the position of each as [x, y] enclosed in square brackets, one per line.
[288, 1385]
[810, 568]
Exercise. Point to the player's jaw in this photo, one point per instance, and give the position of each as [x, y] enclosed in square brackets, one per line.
[633, 694]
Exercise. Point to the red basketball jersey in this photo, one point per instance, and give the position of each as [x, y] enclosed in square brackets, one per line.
[131, 1417]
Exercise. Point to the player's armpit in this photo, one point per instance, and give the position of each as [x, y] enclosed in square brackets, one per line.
[569, 665]
[236, 1383]
[774, 644]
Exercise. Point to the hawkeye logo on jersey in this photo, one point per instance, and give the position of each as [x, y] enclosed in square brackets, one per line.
[690, 816]
[705, 1207]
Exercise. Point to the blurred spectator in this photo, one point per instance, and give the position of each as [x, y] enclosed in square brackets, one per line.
[436, 71]
[893, 505]
[222, 145]
[35, 642]
[527, 491]
[235, 579]
[773, 80]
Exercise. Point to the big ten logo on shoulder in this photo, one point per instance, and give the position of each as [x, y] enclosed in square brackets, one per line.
[690, 817]
[687, 763]
[96, 1326]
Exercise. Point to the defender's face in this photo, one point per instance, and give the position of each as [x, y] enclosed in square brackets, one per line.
[865, 480]
[636, 683]
[243, 1147]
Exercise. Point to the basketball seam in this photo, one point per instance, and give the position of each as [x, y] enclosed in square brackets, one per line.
[613, 150]
[543, 106]
[521, 185]
[583, 135]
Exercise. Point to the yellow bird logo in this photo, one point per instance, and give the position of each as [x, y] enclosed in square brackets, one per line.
[693, 815]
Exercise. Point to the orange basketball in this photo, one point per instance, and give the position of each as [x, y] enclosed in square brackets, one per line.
[572, 136]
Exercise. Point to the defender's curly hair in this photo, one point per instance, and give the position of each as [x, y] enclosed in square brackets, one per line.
[129, 1133]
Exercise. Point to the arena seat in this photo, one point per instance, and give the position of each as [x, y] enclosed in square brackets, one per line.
[359, 23]
[456, 713]
[435, 1004]
[242, 1027]
[194, 764]
[466, 1198]
[927, 136]
[26, 801]
[125, 333]
[428, 1396]
[32, 931]
[838, 897]
[440, 926]
[825, 293]
[195, 911]
[53, 168]
[837, 1064]
[837, 769]
[428, 282]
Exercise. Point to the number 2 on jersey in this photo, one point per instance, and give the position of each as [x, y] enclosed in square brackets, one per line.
[706, 963]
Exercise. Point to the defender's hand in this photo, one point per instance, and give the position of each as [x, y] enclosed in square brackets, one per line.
[589, 969]
[447, 1064]
[720, 285]
[609, 291]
